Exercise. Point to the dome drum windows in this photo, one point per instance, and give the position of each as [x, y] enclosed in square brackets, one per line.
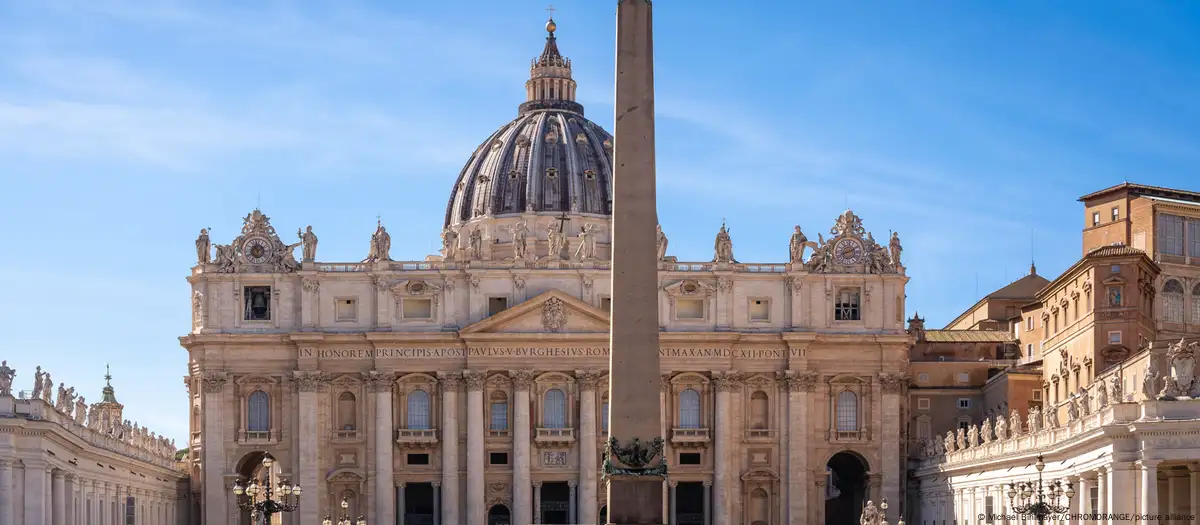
[690, 395]
[555, 400]
[417, 409]
[259, 424]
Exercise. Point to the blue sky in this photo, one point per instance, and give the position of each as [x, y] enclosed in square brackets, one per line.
[126, 126]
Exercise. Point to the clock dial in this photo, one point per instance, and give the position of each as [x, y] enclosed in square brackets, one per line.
[848, 251]
[257, 251]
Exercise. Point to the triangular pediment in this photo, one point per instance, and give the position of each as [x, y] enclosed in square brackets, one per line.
[550, 312]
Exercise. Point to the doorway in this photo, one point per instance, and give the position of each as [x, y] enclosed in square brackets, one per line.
[499, 515]
[418, 504]
[846, 488]
[689, 503]
[556, 503]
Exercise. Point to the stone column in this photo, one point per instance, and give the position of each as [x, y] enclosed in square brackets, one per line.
[6, 496]
[1149, 492]
[399, 495]
[437, 501]
[1077, 503]
[380, 385]
[707, 503]
[573, 508]
[475, 380]
[308, 387]
[891, 386]
[537, 502]
[69, 494]
[448, 503]
[819, 492]
[633, 333]
[798, 386]
[522, 381]
[673, 502]
[213, 451]
[1194, 475]
[587, 444]
[1179, 494]
[725, 383]
[59, 515]
[1101, 491]
[1083, 489]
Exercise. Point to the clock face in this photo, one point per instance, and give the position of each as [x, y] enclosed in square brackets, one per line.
[257, 251]
[847, 251]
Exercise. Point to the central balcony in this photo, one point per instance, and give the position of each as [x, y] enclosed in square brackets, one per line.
[416, 438]
[555, 437]
[689, 437]
[252, 437]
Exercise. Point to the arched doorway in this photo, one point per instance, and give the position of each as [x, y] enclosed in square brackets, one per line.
[604, 514]
[251, 467]
[846, 488]
[499, 515]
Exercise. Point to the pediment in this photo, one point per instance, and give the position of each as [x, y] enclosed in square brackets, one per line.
[550, 312]
[688, 287]
[1114, 279]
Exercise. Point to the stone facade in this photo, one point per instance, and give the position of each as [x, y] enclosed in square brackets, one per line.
[65, 462]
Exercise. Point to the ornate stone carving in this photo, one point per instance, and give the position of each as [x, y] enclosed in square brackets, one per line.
[80, 410]
[475, 379]
[661, 240]
[725, 381]
[796, 245]
[588, 379]
[310, 381]
[47, 388]
[554, 315]
[520, 234]
[379, 382]
[1072, 408]
[724, 284]
[449, 381]
[1002, 427]
[556, 238]
[973, 436]
[198, 306]
[1150, 378]
[203, 247]
[960, 439]
[6, 379]
[257, 249]
[518, 282]
[723, 246]
[948, 442]
[38, 376]
[381, 245]
[309, 240]
[310, 285]
[1085, 401]
[1014, 421]
[1118, 389]
[894, 248]
[636, 458]
[892, 383]
[449, 244]
[214, 382]
[588, 281]
[871, 515]
[587, 243]
[476, 242]
[985, 431]
[1181, 384]
[522, 379]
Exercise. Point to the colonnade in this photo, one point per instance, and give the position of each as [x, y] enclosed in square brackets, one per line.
[35, 492]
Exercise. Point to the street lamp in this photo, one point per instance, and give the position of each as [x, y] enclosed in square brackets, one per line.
[258, 496]
[345, 519]
[1039, 499]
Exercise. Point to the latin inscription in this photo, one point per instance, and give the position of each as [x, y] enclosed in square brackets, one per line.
[549, 352]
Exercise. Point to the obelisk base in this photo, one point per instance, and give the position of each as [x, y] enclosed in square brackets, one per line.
[640, 500]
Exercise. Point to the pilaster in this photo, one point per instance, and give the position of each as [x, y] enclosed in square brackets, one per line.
[308, 386]
[588, 380]
[522, 382]
[213, 453]
[448, 502]
[475, 380]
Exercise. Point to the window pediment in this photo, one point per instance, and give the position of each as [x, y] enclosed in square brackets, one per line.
[415, 288]
[346, 475]
[346, 381]
[689, 288]
[1114, 279]
[759, 474]
[256, 380]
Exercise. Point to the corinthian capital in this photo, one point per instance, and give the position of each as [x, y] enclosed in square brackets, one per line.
[892, 383]
[310, 381]
[726, 381]
[588, 379]
[214, 382]
[377, 381]
[475, 379]
[522, 379]
[449, 381]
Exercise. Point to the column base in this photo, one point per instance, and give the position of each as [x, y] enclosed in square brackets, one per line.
[635, 500]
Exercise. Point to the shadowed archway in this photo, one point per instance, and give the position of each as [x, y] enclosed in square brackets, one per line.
[846, 489]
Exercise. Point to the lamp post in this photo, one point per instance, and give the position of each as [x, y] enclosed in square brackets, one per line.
[344, 520]
[1039, 499]
[258, 496]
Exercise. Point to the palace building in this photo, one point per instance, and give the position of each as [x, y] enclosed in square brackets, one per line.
[471, 387]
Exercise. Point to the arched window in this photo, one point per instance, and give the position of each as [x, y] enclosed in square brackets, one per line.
[499, 410]
[554, 409]
[847, 412]
[604, 414]
[689, 409]
[258, 412]
[1173, 301]
[346, 412]
[760, 507]
[418, 410]
[758, 410]
[1196, 304]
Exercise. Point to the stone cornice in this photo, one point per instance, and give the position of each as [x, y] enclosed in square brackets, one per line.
[40, 428]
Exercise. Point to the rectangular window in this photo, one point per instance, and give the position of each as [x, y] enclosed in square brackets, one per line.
[1114, 337]
[923, 429]
[923, 403]
[258, 303]
[1037, 394]
[989, 509]
[606, 304]
[1028, 349]
[1095, 218]
[962, 377]
[418, 459]
[130, 511]
[689, 458]
[604, 417]
[499, 415]
[1094, 496]
[964, 403]
[689, 308]
[923, 377]
[1029, 324]
[760, 310]
[497, 305]
[416, 308]
[1193, 238]
[1116, 268]
[498, 458]
[1170, 234]
[847, 306]
[1116, 213]
[347, 309]
[964, 424]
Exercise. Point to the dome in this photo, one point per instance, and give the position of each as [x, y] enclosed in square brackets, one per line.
[550, 159]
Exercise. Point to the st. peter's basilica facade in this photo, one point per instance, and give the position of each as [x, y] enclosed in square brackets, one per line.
[471, 387]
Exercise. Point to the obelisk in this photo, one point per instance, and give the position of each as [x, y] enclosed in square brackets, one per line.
[634, 484]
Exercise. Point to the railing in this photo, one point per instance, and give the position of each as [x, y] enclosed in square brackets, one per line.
[761, 268]
[849, 435]
[555, 435]
[689, 437]
[416, 438]
[253, 437]
[760, 433]
[499, 434]
[345, 435]
[343, 267]
[39, 410]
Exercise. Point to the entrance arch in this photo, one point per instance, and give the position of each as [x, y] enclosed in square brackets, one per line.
[250, 467]
[846, 488]
[499, 515]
